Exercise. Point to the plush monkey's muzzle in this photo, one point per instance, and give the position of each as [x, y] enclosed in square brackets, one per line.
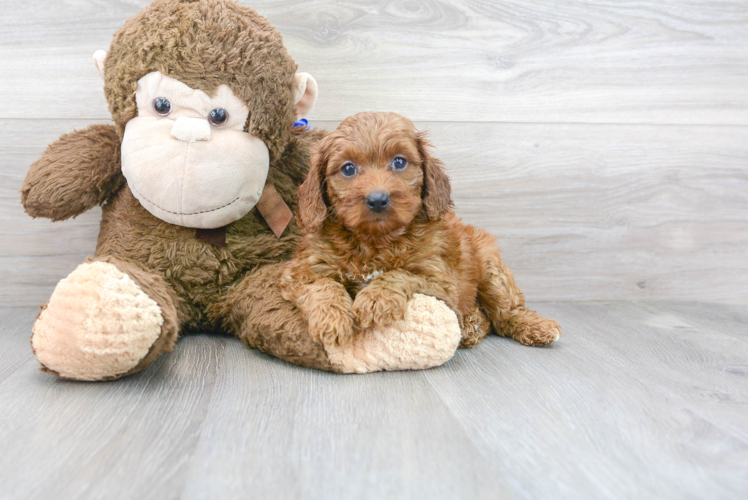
[185, 170]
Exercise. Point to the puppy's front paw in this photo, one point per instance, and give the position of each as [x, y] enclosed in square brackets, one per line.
[332, 325]
[376, 306]
[540, 332]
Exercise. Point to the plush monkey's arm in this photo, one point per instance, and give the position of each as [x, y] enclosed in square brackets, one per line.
[77, 172]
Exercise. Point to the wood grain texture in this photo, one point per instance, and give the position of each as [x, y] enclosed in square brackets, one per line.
[281, 431]
[603, 142]
[583, 212]
[14, 341]
[635, 401]
[124, 440]
[434, 60]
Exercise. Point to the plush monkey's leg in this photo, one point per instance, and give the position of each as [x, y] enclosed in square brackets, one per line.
[255, 311]
[502, 299]
[109, 318]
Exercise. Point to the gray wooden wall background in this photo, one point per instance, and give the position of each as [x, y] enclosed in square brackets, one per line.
[605, 142]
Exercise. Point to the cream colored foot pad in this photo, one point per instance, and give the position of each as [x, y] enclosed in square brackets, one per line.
[428, 336]
[98, 324]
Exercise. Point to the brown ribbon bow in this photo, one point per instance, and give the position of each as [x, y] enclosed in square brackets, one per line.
[272, 208]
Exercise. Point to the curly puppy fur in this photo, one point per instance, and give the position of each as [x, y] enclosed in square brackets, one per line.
[376, 215]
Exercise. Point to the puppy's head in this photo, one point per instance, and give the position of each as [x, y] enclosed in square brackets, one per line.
[374, 174]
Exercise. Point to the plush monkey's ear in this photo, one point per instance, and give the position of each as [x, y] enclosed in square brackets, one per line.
[305, 93]
[437, 191]
[312, 205]
[99, 58]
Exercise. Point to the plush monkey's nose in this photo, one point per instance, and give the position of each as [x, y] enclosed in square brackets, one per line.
[378, 201]
[191, 129]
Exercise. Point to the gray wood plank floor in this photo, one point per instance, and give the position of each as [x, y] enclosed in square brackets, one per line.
[601, 61]
[582, 212]
[603, 142]
[637, 400]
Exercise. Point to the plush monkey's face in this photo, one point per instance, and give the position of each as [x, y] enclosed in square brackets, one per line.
[204, 95]
[186, 156]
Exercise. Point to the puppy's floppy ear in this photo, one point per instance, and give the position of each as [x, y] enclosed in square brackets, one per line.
[312, 205]
[437, 191]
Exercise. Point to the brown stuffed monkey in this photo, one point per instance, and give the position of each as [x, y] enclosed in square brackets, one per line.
[195, 178]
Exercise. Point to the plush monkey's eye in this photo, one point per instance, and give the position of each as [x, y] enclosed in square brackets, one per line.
[349, 170]
[399, 163]
[218, 116]
[162, 106]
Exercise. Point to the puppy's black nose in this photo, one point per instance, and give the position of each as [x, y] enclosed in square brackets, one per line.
[378, 201]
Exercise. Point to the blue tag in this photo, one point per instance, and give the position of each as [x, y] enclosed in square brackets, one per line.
[302, 123]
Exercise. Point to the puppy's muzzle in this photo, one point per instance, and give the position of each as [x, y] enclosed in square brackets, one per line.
[378, 201]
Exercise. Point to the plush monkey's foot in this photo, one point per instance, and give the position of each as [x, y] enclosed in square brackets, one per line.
[99, 324]
[426, 337]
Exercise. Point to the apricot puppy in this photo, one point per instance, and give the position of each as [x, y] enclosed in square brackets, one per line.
[378, 225]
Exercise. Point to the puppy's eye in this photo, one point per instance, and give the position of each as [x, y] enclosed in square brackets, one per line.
[399, 163]
[349, 170]
[162, 106]
[218, 116]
